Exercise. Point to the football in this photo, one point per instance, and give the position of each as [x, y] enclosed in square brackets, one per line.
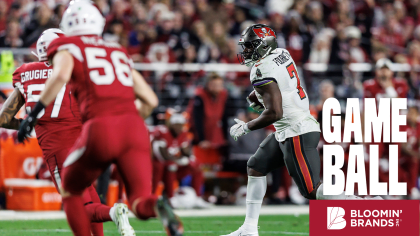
[252, 97]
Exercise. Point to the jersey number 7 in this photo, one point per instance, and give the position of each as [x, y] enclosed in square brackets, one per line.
[293, 73]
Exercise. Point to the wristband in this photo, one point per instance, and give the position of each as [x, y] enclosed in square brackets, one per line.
[246, 129]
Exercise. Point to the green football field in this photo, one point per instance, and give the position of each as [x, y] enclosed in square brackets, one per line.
[269, 225]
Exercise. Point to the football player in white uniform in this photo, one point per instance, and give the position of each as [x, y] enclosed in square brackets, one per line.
[286, 106]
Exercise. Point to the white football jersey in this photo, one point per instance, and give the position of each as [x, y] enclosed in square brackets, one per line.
[280, 68]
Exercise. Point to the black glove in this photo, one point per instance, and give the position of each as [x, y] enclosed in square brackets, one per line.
[26, 127]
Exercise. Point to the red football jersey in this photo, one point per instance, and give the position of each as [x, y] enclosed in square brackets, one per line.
[101, 81]
[58, 120]
[372, 89]
[174, 144]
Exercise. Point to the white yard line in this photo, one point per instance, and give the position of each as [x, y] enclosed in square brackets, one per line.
[216, 211]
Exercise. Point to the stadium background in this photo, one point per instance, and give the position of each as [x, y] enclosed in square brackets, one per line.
[178, 44]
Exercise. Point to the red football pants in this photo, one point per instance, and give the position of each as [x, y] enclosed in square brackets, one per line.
[97, 212]
[122, 140]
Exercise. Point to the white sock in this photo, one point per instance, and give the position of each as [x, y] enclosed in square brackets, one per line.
[112, 213]
[254, 197]
[320, 195]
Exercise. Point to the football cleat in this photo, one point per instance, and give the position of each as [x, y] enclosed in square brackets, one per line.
[121, 220]
[242, 232]
[171, 222]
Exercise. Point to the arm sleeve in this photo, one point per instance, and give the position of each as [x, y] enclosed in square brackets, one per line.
[269, 71]
[53, 48]
[198, 116]
[65, 43]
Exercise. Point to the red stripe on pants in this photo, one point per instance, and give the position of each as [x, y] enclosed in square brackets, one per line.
[302, 164]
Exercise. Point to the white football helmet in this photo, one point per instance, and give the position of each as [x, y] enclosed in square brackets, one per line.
[82, 18]
[44, 40]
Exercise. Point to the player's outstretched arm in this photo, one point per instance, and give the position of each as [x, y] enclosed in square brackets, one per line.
[63, 67]
[273, 106]
[12, 105]
[148, 98]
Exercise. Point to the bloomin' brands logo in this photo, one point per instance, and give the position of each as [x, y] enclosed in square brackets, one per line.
[364, 217]
[335, 218]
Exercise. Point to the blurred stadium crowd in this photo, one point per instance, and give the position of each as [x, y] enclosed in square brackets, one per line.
[324, 37]
[206, 31]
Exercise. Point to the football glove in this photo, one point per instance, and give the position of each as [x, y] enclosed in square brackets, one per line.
[239, 129]
[26, 126]
[255, 106]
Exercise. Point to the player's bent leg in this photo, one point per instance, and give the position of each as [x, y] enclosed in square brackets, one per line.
[80, 170]
[55, 167]
[267, 158]
[76, 214]
[96, 226]
[97, 211]
[135, 168]
[136, 171]
[303, 162]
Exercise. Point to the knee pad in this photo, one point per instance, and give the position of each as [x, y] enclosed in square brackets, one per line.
[253, 164]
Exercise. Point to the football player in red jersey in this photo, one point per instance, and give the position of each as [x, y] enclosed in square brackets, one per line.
[105, 86]
[58, 120]
[173, 160]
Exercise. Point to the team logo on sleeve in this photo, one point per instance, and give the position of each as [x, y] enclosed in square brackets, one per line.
[258, 73]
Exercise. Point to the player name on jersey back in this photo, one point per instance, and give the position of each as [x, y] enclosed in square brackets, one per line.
[282, 58]
[96, 41]
[35, 74]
